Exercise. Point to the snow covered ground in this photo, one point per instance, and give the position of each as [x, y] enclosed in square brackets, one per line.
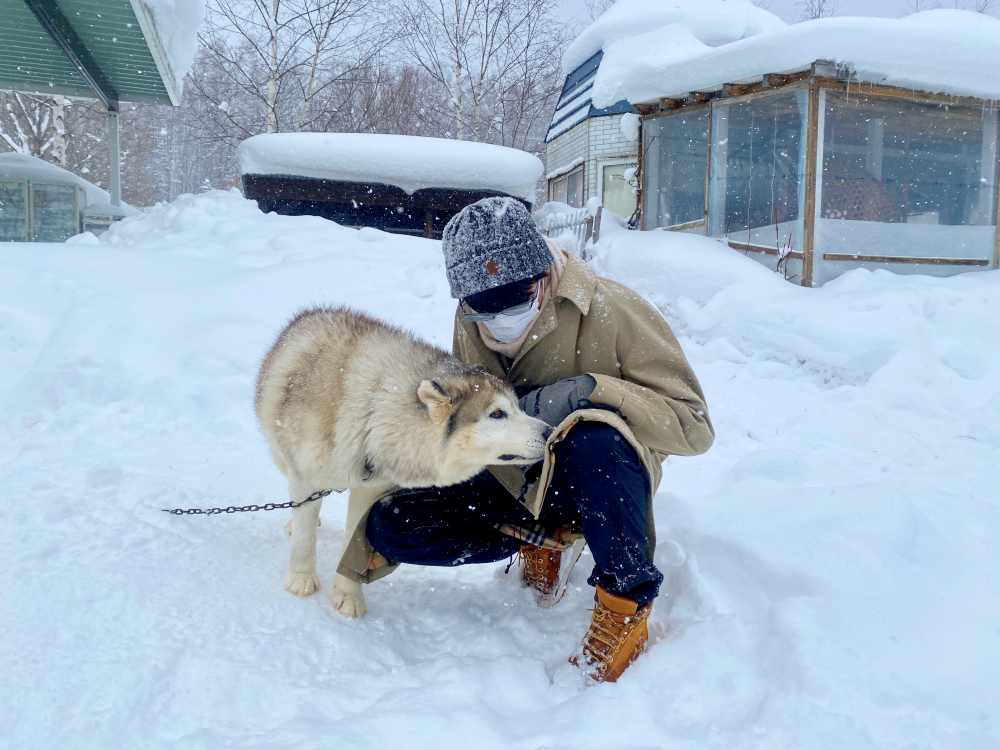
[831, 563]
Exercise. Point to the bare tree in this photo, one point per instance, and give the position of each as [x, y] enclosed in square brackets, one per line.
[276, 64]
[817, 8]
[493, 62]
[35, 125]
[596, 7]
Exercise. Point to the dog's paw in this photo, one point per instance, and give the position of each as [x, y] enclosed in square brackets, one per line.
[301, 584]
[349, 604]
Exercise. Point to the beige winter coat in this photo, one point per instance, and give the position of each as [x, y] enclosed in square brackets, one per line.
[596, 326]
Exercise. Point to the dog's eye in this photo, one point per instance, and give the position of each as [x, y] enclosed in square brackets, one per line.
[498, 414]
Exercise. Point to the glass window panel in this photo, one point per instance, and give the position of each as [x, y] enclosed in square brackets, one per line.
[557, 189]
[675, 155]
[13, 212]
[906, 179]
[54, 213]
[758, 168]
[574, 187]
[618, 195]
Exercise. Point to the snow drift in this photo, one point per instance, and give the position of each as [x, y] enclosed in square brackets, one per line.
[829, 563]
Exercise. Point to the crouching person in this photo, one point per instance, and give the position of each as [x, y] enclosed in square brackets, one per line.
[598, 364]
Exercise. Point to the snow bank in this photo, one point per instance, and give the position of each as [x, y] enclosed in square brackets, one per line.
[177, 23]
[940, 51]
[408, 162]
[830, 562]
[714, 22]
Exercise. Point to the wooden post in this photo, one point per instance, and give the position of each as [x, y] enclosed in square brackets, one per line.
[810, 209]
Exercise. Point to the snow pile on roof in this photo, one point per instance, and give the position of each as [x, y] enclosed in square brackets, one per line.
[177, 23]
[714, 22]
[830, 564]
[939, 51]
[409, 162]
[24, 167]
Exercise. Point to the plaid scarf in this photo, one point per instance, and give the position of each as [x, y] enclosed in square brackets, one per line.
[536, 535]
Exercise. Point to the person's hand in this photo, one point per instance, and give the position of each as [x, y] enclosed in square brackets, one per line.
[553, 403]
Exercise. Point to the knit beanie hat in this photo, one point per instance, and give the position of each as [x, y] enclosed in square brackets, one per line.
[490, 243]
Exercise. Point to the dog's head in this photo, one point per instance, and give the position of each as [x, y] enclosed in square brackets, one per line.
[480, 424]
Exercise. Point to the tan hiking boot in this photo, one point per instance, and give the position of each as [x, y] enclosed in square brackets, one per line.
[617, 636]
[547, 570]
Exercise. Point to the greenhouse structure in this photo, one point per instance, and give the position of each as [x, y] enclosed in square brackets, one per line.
[40, 202]
[836, 165]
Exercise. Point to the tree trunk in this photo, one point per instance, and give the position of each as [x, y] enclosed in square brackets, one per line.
[272, 81]
[58, 149]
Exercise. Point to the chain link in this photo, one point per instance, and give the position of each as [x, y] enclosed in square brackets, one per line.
[317, 495]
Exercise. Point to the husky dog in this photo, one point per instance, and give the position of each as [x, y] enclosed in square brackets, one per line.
[346, 401]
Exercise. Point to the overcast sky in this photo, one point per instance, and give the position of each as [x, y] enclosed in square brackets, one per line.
[790, 10]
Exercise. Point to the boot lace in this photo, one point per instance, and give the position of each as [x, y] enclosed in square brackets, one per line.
[606, 634]
[539, 568]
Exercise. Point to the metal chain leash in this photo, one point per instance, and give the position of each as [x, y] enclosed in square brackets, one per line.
[317, 495]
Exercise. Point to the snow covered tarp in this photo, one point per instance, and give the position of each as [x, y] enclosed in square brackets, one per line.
[408, 162]
[939, 51]
[714, 22]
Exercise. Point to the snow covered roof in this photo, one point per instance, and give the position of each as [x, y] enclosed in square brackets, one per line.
[25, 167]
[575, 104]
[939, 51]
[714, 22]
[409, 162]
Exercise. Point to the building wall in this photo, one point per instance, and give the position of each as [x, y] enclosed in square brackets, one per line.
[567, 148]
[594, 140]
[606, 143]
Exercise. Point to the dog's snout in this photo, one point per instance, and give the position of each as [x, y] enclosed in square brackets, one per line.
[546, 432]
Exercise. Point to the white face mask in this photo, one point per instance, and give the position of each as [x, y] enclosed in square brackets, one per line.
[508, 328]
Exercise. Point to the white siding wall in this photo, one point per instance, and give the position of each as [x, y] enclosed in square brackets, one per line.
[566, 149]
[606, 143]
[596, 139]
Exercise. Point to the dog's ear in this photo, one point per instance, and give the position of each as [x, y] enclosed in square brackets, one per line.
[437, 400]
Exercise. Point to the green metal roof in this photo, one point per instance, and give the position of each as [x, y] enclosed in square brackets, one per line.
[103, 49]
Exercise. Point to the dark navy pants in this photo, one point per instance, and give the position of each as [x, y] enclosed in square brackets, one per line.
[599, 487]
